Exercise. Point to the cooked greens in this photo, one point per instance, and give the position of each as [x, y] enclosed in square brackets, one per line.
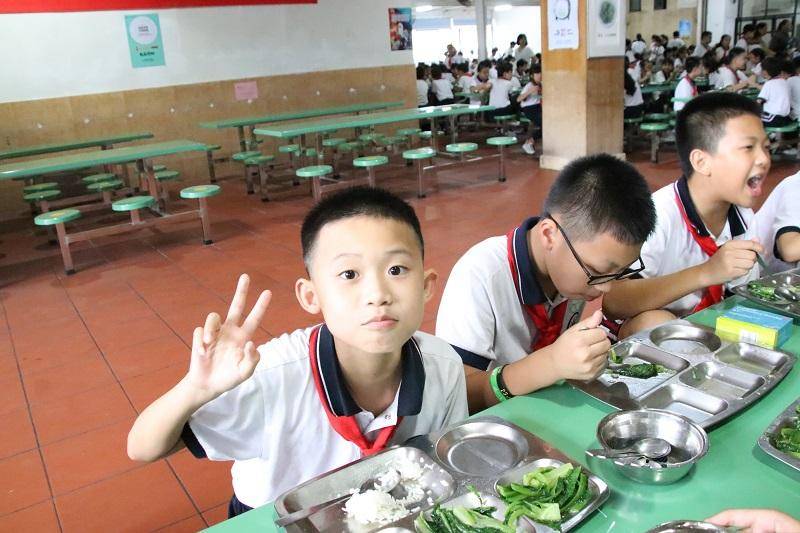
[764, 292]
[547, 495]
[461, 520]
[614, 357]
[788, 439]
[641, 370]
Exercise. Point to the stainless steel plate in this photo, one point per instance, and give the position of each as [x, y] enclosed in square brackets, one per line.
[687, 526]
[685, 339]
[766, 441]
[691, 403]
[599, 490]
[752, 358]
[632, 352]
[721, 381]
[785, 279]
[482, 448]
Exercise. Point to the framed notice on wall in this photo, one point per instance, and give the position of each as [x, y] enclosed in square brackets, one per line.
[59, 6]
[605, 22]
[144, 40]
[400, 28]
[562, 24]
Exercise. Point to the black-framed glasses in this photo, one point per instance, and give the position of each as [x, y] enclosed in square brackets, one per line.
[627, 272]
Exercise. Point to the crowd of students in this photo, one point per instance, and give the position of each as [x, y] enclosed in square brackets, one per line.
[509, 322]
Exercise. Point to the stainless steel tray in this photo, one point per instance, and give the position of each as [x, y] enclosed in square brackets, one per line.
[787, 417]
[790, 277]
[708, 379]
[472, 453]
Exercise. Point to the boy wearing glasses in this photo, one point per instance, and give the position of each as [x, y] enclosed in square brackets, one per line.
[512, 303]
[704, 240]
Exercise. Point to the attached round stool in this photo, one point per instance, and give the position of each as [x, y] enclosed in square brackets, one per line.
[41, 199]
[657, 117]
[200, 193]
[263, 163]
[420, 155]
[503, 121]
[316, 173]
[133, 204]
[655, 129]
[94, 178]
[428, 135]
[241, 156]
[47, 186]
[159, 168]
[212, 171]
[371, 137]
[166, 175]
[58, 219]
[461, 149]
[333, 142]
[106, 187]
[407, 132]
[501, 143]
[776, 133]
[289, 149]
[370, 162]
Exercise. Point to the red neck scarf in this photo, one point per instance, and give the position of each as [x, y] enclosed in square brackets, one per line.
[346, 426]
[713, 294]
[549, 327]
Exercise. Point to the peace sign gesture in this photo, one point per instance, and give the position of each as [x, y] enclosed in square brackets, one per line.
[223, 353]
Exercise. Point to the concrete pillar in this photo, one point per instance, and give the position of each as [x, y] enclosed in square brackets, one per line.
[480, 23]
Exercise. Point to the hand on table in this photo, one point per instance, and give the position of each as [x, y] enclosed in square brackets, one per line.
[579, 353]
[757, 521]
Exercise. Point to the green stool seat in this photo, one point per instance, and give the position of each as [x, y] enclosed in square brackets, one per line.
[167, 175]
[680, 99]
[500, 118]
[259, 159]
[427, 134]
[458, 148]
[332, 142]
[134, 202]
[212, 147]
[40, 187]
[349, 146]
[419, 153]
[38, 196]
[634, 120]
[524, 120]
[311, 152]
[672, 123]
[656, 117]
[409, 131]
[654, 126]
[502, 141]
[52, 218]
[289, 148]
[314, 171]
[159, 168]
[241, 156]
[94, 178]
[392, 140]
[781, 129]
[200, 191]
[370, 137]
[370, 161]
[101, 186]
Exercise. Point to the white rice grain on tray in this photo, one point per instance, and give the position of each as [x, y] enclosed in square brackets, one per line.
[379, 507]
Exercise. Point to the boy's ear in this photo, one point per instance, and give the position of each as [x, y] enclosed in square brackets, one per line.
[429, 283]
[547, 233]
[306, 294]
[701, 161]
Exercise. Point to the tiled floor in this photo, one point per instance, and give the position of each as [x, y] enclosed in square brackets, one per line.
[80, 356]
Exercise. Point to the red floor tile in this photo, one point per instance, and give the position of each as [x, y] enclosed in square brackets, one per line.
[80, 413]
[208, 482]
[216, 515]
[144, 499]
[12, 397]
[188, 525]
[66, 380]
[16, 433]
[148, 356]
[89, 457]
[142, 390]
[23, 482]
[123, 333]
[39, 518]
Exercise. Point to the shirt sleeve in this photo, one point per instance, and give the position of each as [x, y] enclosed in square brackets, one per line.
[764, 93]
[787, 214]
[230, 427]
[457, 407]
[654, 248]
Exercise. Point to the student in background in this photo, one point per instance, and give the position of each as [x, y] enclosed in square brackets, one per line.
[493, 69]
[656, 49]
[729, 75]
[666, 74]
[775, 96]
[778, 224]
[702, 47]
[463, 79]
[722, 47]
[680, 58]
[676, 41]
[521, 72]
[530, 101]
[500, 89]
[686, 88]
[710, 66]
[792, 68]
[634, 102]
[762, 35]
[646, 74]
[638, 45]
[781, 37]
[442, 88]
[480, 82]
[746, 39]
[422, 86]
[523, 51]
[754, 59]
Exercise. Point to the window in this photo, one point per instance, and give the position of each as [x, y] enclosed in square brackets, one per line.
[634, 5]
[659, 4]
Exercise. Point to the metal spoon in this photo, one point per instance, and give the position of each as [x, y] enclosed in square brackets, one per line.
[787, 294]
[651, 448]
[392, 486]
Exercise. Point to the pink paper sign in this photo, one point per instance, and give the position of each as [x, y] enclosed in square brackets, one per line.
[245, 90]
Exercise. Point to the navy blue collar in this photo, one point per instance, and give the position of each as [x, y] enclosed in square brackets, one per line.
[341, 403]
[735, 220]
[530, 292]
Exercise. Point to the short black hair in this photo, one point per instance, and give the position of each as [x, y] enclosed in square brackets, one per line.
[758, 52]
[422, 69]
[601, 193]
[701, 123]
[436, 72]
[521, 63]
[705, 34]
[676, 34]
[353, 202]
[691, 63]
[772, 66]
[503, 67]
[796, 64]
[486, 63]
[733, 52]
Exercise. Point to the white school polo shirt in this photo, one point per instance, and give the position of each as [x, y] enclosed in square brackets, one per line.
[498, 94]
[274, 426]
[443, 89]
[481, 312]
[776, 96]
[794, 95]
[464, 83]
[725, 78]
[684, 89]
[671, 248]
[422, 92]
[780, 214]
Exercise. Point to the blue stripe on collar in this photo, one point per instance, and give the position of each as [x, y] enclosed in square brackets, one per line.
[531, 291]
[735, 221]
[341, 403]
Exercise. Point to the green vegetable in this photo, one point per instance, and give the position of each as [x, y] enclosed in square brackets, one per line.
[788, 439]
[547, 495]
[641, 371]
[614, 357]
[461, 520]
[759, 290]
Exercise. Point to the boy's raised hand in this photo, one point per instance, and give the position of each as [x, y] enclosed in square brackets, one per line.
[734, 259]
[223, 353]
[580, 351]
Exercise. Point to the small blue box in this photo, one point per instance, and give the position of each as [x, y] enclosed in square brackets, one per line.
[754, 326]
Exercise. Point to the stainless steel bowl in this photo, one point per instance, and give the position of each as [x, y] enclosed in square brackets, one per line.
[622, 428]
[687, 526]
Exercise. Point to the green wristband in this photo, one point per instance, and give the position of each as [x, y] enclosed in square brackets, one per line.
[495, 387]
